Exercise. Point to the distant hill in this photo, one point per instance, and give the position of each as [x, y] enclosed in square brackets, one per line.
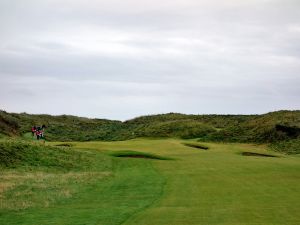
[255, 128]
[60, 128]
[274, 127]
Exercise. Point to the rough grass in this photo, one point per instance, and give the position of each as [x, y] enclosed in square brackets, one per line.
[64, 145]
[266, 128]
[19, 190]
[34, 175]
[291, 146]
[17, 153]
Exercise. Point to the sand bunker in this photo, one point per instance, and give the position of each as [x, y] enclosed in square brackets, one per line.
[134, 154]
[257, 154]
[198, 146]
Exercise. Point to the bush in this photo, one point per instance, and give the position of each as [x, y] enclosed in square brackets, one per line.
[291, 146]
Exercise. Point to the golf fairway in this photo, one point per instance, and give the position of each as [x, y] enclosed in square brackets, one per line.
[217, 186]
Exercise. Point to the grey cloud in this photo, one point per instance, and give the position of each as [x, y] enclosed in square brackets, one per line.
[119, 59]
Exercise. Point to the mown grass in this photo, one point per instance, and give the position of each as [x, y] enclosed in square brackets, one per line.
[215, 187]
[219, 186]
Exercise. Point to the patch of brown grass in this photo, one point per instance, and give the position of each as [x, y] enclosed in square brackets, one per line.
[21, 190]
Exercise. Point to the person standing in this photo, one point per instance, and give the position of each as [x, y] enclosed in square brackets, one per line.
[38, 133]
[33, 130]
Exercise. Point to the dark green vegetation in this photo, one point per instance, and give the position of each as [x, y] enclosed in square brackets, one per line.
[281, 128]
[289, 146]
[61, 128]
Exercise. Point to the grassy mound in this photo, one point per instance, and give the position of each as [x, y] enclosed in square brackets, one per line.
[62, 128]
[16, 153]
[178, 128]
[135, 154]
[9, 125]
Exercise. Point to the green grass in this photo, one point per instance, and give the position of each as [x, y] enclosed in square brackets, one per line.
[97, 189]
[214, 187]
[32, 155]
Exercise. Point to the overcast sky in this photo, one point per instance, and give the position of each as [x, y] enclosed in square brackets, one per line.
[119, 59]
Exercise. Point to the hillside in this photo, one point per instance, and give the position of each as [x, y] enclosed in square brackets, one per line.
[29, 155]
[272, 127]
[61, 128]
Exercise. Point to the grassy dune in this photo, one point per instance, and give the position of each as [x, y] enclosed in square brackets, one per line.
[214, 186]
[281, 128]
